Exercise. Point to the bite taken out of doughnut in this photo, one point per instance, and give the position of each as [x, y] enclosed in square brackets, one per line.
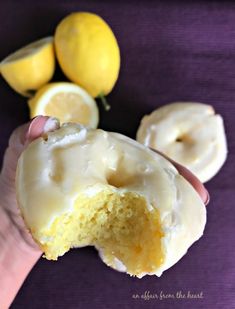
[189, 133]
[78, 187]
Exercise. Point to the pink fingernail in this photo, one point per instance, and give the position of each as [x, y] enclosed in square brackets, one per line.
[36, 127]
[40, 125]
[208, 198]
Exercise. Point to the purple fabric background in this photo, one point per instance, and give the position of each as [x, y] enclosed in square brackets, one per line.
[171, 50]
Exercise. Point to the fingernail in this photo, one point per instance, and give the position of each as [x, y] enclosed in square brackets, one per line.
[51, 124]
[208, 198]
[34, 122]
[36, 117]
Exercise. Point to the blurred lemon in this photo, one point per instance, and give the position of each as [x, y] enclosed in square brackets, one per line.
[67, 102]
[88, 52]
[30, 67]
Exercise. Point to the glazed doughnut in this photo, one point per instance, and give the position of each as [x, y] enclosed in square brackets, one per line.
[189, 133]
[78, 187]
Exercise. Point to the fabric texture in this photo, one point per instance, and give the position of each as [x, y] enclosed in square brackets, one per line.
[170, 51]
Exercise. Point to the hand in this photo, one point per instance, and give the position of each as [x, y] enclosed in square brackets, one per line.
[18, 251]
[17, 142]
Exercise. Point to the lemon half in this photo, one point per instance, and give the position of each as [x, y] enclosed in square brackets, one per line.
[67, 102]
[88, 52]
[30, 67]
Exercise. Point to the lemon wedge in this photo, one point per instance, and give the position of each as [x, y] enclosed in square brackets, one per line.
[30, 67]
[67, 102]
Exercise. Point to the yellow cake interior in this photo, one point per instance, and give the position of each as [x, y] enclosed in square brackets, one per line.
[119, 224]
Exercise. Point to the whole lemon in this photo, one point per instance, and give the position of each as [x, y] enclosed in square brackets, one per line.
[88, 52]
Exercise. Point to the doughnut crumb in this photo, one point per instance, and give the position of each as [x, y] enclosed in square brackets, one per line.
[119, 224]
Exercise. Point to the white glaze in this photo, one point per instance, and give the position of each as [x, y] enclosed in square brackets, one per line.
[203, 147]
[51, 173]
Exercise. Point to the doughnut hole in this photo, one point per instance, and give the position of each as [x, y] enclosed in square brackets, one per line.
[119, 224]
[179, 140]
[184, 138]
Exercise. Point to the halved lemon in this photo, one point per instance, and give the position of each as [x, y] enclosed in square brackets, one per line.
[30, 67]
[67, 102]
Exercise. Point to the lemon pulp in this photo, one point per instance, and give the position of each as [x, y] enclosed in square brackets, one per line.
[69, 107]
[119, 224]
[65, 101]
